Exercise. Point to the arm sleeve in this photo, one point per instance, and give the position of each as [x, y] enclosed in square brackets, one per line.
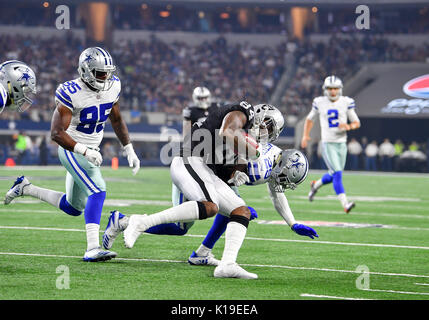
[351, 113]
[281, 204]
[314, 111]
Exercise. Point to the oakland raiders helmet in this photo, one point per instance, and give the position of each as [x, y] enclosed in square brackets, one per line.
[201, 97]
[290, 169]
[19, 80]
[96, 68]
[270, 118]
[332, 82]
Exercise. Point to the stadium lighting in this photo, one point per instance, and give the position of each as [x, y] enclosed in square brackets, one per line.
[144, 6]
[46, 4]
[224, 15]
[314, 9]
[164, 14]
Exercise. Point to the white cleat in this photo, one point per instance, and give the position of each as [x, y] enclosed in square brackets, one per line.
[117, 223]
[208, 260]
[233, 270]
[349, 207]
[136, 227]
[16, 190]
[97, 254]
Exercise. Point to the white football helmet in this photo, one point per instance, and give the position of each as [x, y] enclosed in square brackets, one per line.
[332, 82]
[290, 169]
[202, 97]
[270, 118]
[96, 68]
[19, 80]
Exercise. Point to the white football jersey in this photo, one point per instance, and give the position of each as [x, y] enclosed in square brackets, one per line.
[90, 109]
[3, 97]
[331, 114]
[259, 171]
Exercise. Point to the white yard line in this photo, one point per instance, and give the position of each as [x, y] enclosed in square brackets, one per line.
[422, 284]
[243, 264]
[310, 295]
[379, 245]
[400, 292]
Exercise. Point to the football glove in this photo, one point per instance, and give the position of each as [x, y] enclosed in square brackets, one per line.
[132, 158]
[239, 178]
[91, 155]
[303, 230]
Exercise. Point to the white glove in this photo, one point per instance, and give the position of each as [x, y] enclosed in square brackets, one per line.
[132, 158]
[91, 155]
[239, 178]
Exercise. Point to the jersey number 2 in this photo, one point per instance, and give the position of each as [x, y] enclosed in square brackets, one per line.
[333, 118]
[89, 117]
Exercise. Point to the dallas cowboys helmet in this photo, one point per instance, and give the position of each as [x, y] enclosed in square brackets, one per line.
[270, 118]
[96, 68]
[201, 97]
[332, 82]
[290, 169]
[19, 80]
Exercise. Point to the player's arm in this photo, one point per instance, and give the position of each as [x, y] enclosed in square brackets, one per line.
[60, 122]
[352, 117]
[232, 130]
[308, 125]
[282, 207]
[121, 131]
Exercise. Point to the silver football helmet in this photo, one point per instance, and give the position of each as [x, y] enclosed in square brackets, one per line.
[19, 80]
[332, 82]
[201, 97]
[96, 68]
[290, 169]
[269, 118]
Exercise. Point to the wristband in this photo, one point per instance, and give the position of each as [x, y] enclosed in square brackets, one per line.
[128, 148]
[79, 148]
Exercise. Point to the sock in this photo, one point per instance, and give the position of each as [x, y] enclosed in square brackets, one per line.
[327, 178]
[217, 229]
[92, 235]
[338, 182]
[172, 229]
[185, 212]
[50, 196]
[234, 237]
[343, 199]
[318, 184]
[94, 207]
[68, 208]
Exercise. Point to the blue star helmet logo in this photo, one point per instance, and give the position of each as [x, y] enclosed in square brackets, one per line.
[88, 58]
[25, 76]
[296, 164]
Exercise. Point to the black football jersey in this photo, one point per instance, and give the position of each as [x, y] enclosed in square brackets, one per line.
[194, 114]
[206, 142]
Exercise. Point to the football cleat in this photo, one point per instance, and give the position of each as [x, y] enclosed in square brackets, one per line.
[96, 255]
[313, 191]
[114, 228]
[208, 260]
[349, 207]
[233, 270]
[136, 226]
[16, 190]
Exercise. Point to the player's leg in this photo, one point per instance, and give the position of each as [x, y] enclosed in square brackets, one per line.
[86, 187]
[336, 154]
[198, 188]
[236, 229]
[327, 178]
[203, 255]
[178, 228]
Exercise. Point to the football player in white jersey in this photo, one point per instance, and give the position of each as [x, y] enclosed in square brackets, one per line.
[334, 111]
[17, 86]
[83, 105]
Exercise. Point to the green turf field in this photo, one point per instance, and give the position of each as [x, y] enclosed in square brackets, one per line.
[386, 235]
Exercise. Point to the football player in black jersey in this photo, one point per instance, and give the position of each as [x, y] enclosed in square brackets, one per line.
[194, 172]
